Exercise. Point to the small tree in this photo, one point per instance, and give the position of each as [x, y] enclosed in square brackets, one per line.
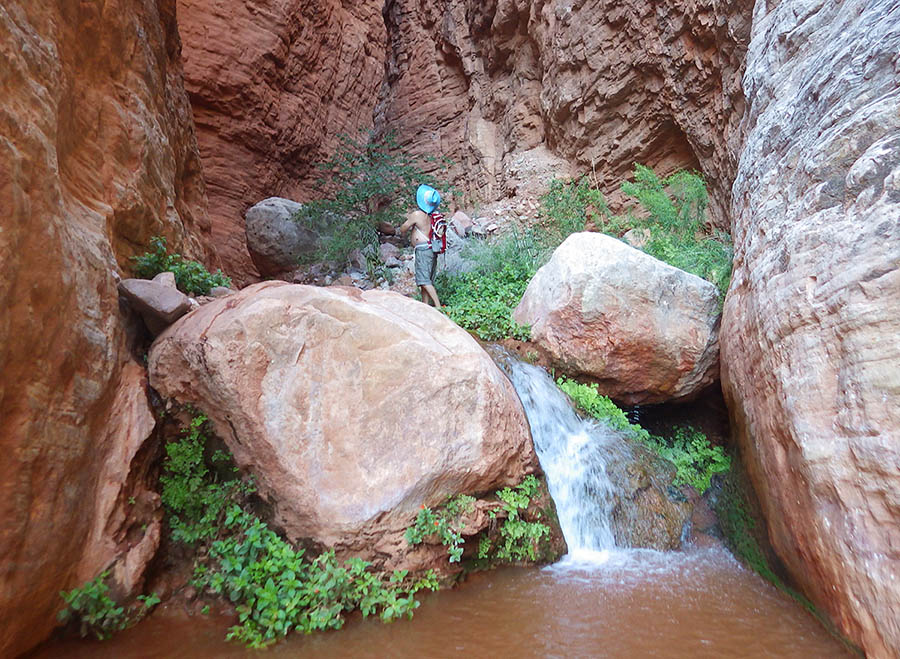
[368, 180]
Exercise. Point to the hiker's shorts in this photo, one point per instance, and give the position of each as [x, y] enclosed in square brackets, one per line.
[426, 262]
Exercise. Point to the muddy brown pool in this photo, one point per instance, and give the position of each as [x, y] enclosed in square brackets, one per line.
[630, 603]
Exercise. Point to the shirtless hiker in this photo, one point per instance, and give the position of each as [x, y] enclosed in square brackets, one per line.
[428, 199]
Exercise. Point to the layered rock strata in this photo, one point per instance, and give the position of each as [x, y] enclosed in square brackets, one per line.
[351, 409]
[273, 84]
[645, 331]
[96, 156]
[810, 350]
[604, 84]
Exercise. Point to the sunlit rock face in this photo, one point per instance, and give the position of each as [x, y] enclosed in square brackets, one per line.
[604, 84]
[810, 347]
[273, 83]
[96, 156]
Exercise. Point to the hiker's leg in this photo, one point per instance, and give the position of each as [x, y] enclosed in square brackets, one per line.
[432, 292]
[426, 298]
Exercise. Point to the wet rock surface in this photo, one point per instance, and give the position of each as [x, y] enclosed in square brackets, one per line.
[646, 331]
[809, 338]
[352, 409]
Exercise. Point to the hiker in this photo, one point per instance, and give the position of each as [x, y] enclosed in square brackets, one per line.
[428, 237]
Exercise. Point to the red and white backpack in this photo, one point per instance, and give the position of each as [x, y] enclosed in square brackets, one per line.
[437, 236]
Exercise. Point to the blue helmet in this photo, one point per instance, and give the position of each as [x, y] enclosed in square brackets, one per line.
[428, 198]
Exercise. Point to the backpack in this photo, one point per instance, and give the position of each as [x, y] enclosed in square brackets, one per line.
[437, 236]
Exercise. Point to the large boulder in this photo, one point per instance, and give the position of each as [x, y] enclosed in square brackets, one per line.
[353, 409]
[275, 241]
[645, 331]
[811, 327]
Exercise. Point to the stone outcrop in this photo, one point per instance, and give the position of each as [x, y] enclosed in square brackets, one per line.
[273, 83]
[352, 409]
[645, 331]
[275, 241]
[158, 304]
[810, 352]
[604, 84]
[96, 156]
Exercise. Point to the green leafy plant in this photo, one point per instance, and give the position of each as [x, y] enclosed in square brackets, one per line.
[368, 180]
[519, 538]
[444, 523]
[192, 493]
[696, 460]
[93, 609]
[191, 277]
[276, 590]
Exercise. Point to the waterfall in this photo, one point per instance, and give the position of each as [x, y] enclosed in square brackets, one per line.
[575, 455]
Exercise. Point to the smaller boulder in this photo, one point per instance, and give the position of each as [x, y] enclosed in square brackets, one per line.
[158, 304]
[166, 279]
[275, 241]
[389, 250]
[644, 330]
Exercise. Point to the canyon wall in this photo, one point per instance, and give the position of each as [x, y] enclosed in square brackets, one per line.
[273, 83]
[810, 348]
[603, 84]
[96, 155]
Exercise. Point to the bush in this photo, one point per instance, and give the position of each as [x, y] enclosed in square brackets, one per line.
[674, 213]
[518, 538]
[695, 459]
[191, 492]
[93, 608]
[483, 298]
[95, 611]
[191, 277]
[277, 590]
[368, 180]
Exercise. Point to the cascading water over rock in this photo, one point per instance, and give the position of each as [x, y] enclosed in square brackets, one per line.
[608, 491]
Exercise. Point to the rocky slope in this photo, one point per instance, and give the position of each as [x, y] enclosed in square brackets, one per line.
[96, 155]
[810, 348]
[273, 83]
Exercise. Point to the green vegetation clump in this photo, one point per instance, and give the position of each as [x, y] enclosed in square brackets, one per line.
[273, 586]
[695, 459]
[518, 538]
[443, 522]
[482, 299]
[97, 613]
[193, 494]
[368, 180]
[191, 277]
[277, 590]
[673, 215]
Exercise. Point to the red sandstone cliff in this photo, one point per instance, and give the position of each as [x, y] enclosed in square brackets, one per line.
[273, 83]
[603, 84]
[97, 154]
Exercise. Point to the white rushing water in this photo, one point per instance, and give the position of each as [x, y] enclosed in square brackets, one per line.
[574, 454]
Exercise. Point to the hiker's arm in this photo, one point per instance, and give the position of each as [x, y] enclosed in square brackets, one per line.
[406, 226]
